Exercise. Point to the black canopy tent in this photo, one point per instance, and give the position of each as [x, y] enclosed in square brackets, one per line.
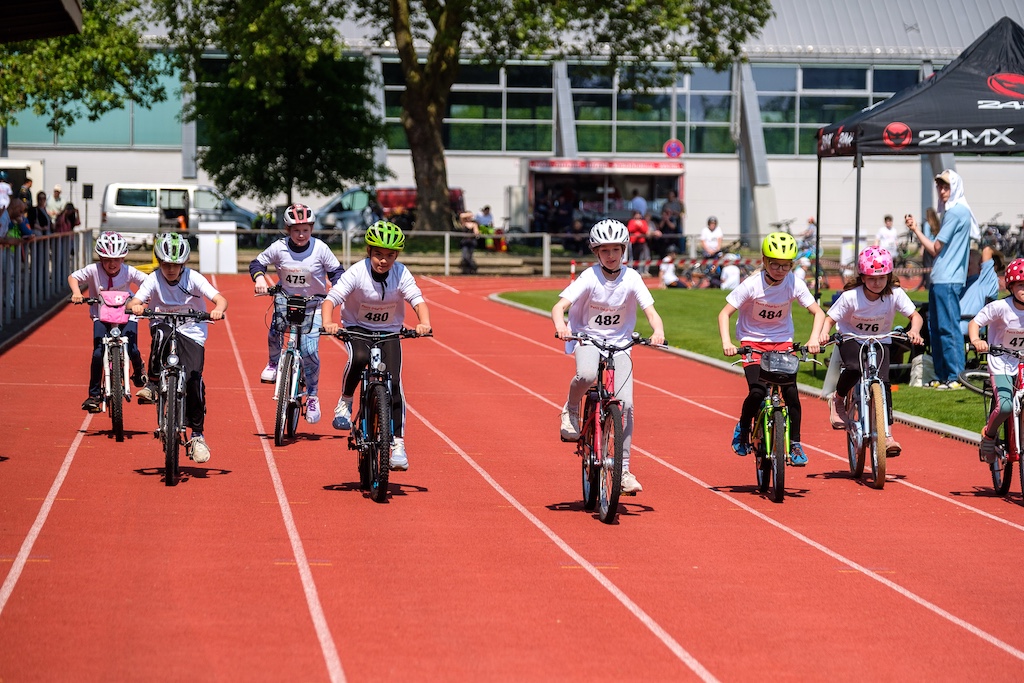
[975, 104]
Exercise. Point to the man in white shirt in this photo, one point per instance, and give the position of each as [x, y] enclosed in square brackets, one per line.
[887, 236]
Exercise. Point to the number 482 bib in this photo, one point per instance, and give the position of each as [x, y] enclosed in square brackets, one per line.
[604, 317]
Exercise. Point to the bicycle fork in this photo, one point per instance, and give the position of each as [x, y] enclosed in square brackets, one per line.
[121, 344]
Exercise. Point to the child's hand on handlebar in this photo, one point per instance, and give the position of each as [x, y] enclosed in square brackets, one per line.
[77, 298]
[916, 339]
[216, 315]
[729, 350]
[980, 345]
[423, 330]
[139, 309]
[658, 339]
[813, 346]
[261, 285]
[331, 328]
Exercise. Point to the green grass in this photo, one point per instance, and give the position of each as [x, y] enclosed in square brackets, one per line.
[691, 323]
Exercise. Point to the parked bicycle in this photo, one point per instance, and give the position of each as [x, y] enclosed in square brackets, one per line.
[372, 426]
[769, 434]
[908, 259]
[1008, 442]
[170, 405]
[293, 314]
[600, 445]
[115, 356]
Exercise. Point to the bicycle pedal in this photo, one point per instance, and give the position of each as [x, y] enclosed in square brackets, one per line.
[628, 493]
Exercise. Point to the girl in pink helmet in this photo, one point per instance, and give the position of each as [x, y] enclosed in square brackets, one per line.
[868, 306]
[1005, 322]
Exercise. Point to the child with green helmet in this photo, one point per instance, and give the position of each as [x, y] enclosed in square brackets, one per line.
[372, 295]
[765, 322]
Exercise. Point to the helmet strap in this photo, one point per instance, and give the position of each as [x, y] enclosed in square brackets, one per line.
[771, 281]
[611, 273]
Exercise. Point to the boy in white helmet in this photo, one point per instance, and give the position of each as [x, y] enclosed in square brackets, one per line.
[602, 303]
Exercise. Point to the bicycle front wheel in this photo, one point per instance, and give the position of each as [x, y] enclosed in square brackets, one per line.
[171, 434]
[855, 436]
[284, 383]
[590, 461]
[877, 441]
[911, 282]
[779, 455]
[977, 380]
[295, 405]
[378, 435]
[610, 452]
[762, 461]
[116, 398]
[1002, 465]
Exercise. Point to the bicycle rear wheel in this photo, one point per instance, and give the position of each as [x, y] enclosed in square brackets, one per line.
[913, 281]
[378, 428]
[284, 383]
[877, 441]
[590, 462]
[171, 434]
[855, 436]
[116, 398]
[779, 455]
[978, 381]
[610, 452]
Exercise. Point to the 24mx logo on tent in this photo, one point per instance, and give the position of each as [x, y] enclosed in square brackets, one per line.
[990, 137]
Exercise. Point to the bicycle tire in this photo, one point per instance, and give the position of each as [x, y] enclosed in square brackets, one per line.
[855, 436]
[365, 473]
[610, 452]
[170, 433]
[976, 380]
[284, 383]
[590, 468]
[877, 435]
[780, 452]
[762, 463]
[379, 436]
[116, 397]
[915, 282]
[295, 406]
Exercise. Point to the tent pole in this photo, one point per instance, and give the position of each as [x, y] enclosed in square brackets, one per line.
[858, 160]
[817, 237]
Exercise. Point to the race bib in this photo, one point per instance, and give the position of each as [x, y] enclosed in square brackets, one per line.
[868, 325]
[769, 312]
[377, 313]
[176, 308]
[603, 317]
[1014, 339]
[296, 277]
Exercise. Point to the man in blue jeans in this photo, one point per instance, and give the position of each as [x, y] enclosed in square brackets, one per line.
[950, 248]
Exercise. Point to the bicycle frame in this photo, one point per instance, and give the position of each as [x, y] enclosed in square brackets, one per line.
[869, 364]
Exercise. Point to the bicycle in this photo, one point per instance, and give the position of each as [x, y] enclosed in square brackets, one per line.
[867, 426]
[372, 426]
[1008, 441]
[769, 434]
[290, 311]
[115, 356]
[904, 259]
[170, 405]
[600, 445]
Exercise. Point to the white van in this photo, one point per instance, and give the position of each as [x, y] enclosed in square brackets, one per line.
[140, 210]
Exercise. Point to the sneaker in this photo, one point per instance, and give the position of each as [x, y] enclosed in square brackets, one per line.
[954, 385]
[93, 404]
[399, 460]
[269, 374]
[139, 378]
[987, 451]
[797, 457]
[147, 394]
[570, 428]
[343, 414]
[312, 410]
[837, 414]
[893, 448]
[740, 448]
[197, 449]
[630, 486]
[934, 384]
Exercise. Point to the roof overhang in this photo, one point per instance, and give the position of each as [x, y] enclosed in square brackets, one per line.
[34, 19]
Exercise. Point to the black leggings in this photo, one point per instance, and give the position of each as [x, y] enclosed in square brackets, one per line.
[359, 357]
[849, 350]
[99, 330]
[757, 391]
[193, 357]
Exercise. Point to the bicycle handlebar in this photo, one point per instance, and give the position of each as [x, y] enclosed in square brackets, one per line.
[345, 334]
[797, 350]
[1016, 353]
[88, 300]
[606, 346]
[278, 289]
[840, 337]
[198, 316]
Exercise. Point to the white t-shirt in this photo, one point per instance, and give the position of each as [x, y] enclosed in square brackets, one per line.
[765, 314]
[854, 313]
[376, 306]
[731, 276]
[1005, 324]
[887, 238]
[667, 271]
[191, 292]
[603, 308]
[5, 194]
[96, 280]
[301, 273]
[711, 240]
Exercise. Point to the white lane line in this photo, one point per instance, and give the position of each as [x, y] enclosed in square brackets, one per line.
[660, 633]
[316, 610]
[44, 512]
[439, 284]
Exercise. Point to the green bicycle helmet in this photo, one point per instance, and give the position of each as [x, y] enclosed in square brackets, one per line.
[171, 247]
[385, 235]
[779, 245]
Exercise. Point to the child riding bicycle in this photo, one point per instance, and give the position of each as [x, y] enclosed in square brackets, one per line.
[1005, 321]
[372, 294]
[110, 274]
[304, 264]
[174, 287]
[868, 306]
[765, 323]
[602, 303]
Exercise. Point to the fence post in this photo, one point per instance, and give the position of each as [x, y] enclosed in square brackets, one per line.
[546, 245]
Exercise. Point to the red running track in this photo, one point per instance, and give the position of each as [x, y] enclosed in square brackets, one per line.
[269, 564]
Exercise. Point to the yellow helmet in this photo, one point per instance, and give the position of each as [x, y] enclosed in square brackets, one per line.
[779, 245]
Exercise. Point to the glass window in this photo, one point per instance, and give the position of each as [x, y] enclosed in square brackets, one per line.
[392, 72]
[894, 80]
[472, 136]
[644, 107]
[777, 108]
[829, 109]
[113, 128]
[808, 141]
[30, 129]
[641, 138]
[206, 200]
[474, 105]
[529, 105]
[704, 78]
[834, 78]
[524, 137]
[710, 107]
[594, 138]
[711, 140]
[587, 76]
[592, 107]
[173, 199]
[774, 77]
[681, 112]
[478, 74]
[527, 76]
[357, 200]
[779, 140]
[392, 103]
[135, 197]
[396, 136]
[160, 124]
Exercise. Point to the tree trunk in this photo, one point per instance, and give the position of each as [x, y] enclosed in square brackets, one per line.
[421, 119]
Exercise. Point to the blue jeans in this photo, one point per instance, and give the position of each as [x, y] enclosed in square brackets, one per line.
[944, 328]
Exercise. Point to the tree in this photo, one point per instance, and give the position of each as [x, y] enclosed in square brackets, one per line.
[634, 32]
[279, 107]
[98, 70]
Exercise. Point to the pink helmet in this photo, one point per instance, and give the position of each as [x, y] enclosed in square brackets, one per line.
[1015, 272]
[298, 214]
[874, 261]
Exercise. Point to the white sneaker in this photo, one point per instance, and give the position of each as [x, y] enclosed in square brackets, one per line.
[269, 374]
[343, 414]
[630, 486]
[312, 410]
[399, 460]
[570, 430]
[197, 449]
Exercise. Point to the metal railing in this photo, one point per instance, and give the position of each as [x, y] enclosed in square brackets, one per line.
[35, 273]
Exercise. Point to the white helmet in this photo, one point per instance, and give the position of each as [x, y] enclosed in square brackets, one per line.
[608, 231]
[171, 247]
[111, 245]
[298, 214]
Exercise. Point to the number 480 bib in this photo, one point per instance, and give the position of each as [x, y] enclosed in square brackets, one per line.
[377, 313]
